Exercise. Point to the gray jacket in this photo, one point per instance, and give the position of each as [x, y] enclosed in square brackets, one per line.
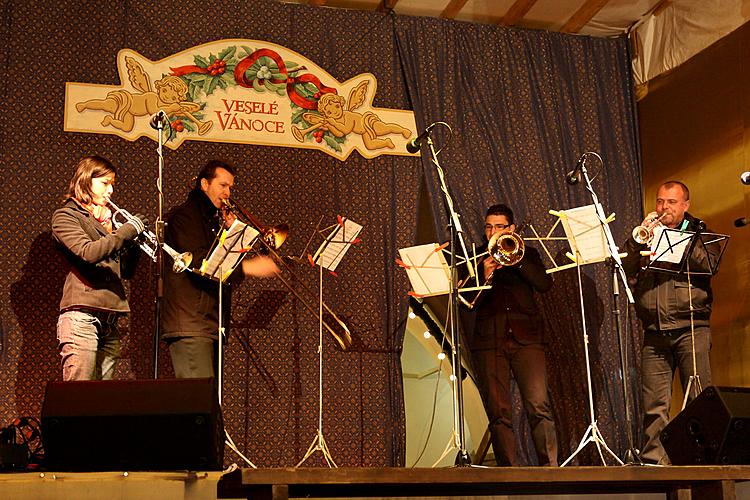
[98, 259]
[663, 298]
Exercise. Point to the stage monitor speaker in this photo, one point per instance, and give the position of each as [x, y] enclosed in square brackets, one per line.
[714, 429]
[166, 424]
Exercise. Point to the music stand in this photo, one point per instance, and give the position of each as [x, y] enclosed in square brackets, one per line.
[328, 256]
[430, 275]
[229, 248]
[672, 251]
[586, 236]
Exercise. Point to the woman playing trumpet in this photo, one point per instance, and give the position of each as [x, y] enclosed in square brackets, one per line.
[93, 295]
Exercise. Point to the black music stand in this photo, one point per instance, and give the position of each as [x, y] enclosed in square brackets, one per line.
[229, 248]
[673, 251]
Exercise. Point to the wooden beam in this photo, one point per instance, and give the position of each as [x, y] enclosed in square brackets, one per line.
[516, 12]
[452, 9]
[386, 5]
[317, 2]
[583, 15]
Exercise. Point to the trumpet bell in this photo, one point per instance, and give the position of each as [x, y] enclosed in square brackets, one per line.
[181, 261]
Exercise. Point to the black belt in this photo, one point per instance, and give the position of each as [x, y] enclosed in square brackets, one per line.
[106, 317]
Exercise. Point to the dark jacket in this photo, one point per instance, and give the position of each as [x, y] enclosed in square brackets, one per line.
[191, 302]
[98, 259]
[509, 306]
[662, 298]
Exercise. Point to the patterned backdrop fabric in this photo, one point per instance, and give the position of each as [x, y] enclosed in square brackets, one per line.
[523, 106]
[511, 140]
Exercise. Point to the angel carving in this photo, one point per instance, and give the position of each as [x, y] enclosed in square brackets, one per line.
[333, 117]
[125, 106]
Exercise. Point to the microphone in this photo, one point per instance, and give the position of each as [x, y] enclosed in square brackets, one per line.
[745, 178]
[157, 121]
[574, 176]
[414, 145]
[741, 222]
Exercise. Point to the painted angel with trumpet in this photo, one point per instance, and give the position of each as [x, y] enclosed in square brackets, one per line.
[339, 118]
[124, 106]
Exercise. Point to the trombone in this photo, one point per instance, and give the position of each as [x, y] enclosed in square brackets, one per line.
[148, 243]
[273, 238]
[507, 249]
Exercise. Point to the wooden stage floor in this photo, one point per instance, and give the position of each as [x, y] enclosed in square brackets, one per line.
[622, 483]
[683, 483]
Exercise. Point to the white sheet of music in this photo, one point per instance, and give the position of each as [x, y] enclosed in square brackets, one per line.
[585, 234]
[224, 258]
[669, 245]
[428, 270]
[334, 248]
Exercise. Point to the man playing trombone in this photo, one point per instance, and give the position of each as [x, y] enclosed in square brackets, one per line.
[509, 337]
[190, 310]
[99, 255]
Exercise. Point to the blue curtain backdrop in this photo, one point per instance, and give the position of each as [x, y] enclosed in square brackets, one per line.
[523, 106]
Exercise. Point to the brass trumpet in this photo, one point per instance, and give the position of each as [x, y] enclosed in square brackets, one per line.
[507, 249]
[645, 233]
[148, 243]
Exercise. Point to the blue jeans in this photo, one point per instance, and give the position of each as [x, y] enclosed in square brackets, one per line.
[662, 353]
[89, 348]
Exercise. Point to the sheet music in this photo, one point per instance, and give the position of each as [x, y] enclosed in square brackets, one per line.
[585, 234]
[427, 269]
[223, 259]
[334, 248]
[669, 245]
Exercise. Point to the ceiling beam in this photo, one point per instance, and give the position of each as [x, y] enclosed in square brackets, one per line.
[452, 9]
[317, 2]
[386, 5]
[516, 12]
[583, 15]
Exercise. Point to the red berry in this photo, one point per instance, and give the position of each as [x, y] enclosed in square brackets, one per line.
[318, 139]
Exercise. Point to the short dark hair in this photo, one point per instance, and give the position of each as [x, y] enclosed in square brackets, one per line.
[670, 184]
[208, 171]
[501, 209]
[88, 168]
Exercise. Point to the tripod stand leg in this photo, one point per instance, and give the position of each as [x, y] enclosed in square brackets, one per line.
[584, 441]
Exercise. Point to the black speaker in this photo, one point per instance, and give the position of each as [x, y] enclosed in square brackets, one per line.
[167, 424]
[714, 429]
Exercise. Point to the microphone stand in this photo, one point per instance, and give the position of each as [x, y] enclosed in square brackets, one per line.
[631, 454]
[159, 231]
[456, 237]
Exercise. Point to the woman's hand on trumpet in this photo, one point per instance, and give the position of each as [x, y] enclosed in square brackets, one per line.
[261, 266]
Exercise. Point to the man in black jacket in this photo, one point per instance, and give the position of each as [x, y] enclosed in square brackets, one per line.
[190, 313]
[509, 336]
[663, 307]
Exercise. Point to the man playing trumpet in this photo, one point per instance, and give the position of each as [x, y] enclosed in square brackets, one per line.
[663, 307]
[509, 337]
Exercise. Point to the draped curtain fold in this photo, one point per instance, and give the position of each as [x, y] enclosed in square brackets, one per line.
[523, 105]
